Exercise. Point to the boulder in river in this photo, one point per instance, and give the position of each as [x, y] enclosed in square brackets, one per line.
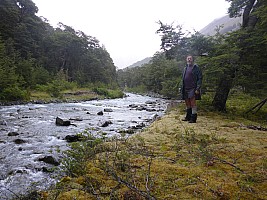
[19, 141]
[61, 122]
[100, 113]
[13, 134]
[49, 160]
[106, 123]
[73, 138]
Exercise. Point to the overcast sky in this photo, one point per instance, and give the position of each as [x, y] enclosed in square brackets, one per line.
[127, 27]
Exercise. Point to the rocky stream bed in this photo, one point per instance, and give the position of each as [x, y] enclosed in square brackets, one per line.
[33, 136]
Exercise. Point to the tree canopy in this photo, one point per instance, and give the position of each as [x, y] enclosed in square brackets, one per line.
[33, 52]
[232, 60]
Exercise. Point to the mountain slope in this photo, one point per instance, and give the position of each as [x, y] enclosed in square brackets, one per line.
[228, 24]
[140, 62]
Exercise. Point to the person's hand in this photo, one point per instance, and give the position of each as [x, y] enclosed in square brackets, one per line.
[196, 92]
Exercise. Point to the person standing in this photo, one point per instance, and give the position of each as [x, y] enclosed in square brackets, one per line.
[191, 88]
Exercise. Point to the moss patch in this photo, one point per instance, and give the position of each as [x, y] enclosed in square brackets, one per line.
[216, 158]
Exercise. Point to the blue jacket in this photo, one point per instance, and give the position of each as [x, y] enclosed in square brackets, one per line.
[197, 76]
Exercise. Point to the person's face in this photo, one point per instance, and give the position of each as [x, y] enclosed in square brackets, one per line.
[189, 59]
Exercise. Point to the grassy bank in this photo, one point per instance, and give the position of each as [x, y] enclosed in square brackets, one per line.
[220, 157]
[76, 94]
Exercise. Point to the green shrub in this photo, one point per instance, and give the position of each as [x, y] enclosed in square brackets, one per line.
[14, 93]
[75, 159]
[56, 87]
[115, 94]
[101, 91]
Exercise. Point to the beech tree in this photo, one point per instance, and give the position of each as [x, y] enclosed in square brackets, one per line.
[35, 52]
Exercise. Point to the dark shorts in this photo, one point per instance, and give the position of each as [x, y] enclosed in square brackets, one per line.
[189, 93]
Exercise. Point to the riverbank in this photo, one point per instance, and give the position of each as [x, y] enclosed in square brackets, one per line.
[67, 96]
[216, 158]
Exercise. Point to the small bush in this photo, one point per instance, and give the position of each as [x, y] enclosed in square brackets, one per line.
[109, 93]
[14, 93]
[101, 91]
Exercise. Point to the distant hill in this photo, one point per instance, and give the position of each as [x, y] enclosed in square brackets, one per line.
[229, 24]
[140, 63]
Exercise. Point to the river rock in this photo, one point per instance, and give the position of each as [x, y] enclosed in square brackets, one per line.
[19, 141]
[76, 119]
[13, 134]
[150, 102]
[108, 110]
[49, 160]
[100, 113]
[106, 123]
[61, 122]
[151, 110]
[72, 138]
[140, 108]
[3, 123]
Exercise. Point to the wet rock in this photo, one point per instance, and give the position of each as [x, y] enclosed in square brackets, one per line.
[61, 122]
[76, 119]
[106, 123]
[150, 102]
[108, 110]
[155, 117]
[133, 106]
[13, 134]
[140, 108]
[73, 138]
[18, 171]
[151, 110]
[138, 126]
[49, 160]
[38, 102]
[3, 123]
[100, 113]
[19, 141]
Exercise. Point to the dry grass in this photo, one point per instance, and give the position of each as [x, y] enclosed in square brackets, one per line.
[212, 159]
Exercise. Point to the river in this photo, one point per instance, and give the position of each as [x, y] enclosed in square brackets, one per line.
[29, 133]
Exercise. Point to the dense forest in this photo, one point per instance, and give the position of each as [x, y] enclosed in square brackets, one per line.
[235, 60]
[36, 56]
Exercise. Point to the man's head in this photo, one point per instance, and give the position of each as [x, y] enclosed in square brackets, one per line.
[189, 60]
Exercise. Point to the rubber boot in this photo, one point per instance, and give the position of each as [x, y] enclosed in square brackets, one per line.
[188, 114]
[193, 118]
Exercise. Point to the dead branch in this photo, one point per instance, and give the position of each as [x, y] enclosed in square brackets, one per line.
[228, 163]
[130, 186]
[259, 105]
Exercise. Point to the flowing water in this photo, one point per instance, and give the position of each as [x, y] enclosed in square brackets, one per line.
[29, 132]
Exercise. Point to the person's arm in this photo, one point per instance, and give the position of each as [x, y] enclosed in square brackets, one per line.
[199, 79]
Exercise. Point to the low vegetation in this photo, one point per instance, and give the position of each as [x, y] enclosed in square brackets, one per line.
[222, 156]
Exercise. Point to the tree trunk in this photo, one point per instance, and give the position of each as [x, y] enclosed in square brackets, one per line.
[250, 19]
[221, 95]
